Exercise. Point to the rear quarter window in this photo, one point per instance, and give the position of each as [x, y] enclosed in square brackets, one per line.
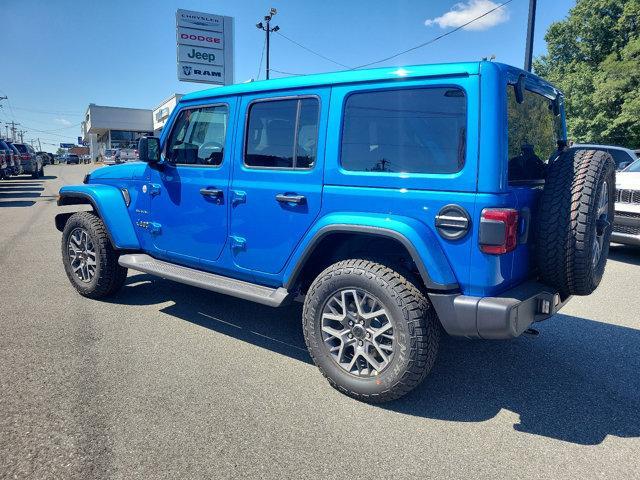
[534, 129]
[418, 130]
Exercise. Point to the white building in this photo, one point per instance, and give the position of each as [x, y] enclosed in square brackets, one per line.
[114, 127]
[161, 112]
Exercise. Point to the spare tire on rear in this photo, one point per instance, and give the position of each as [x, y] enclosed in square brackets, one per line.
[575, 219]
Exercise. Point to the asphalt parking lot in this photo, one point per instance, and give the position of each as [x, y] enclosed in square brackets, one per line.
[168, 381]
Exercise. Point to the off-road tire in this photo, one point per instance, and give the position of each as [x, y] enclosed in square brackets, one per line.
[567, 220]
[414, 317]
[109, 276]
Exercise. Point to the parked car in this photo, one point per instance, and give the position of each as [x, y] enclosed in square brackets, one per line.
[626, 224]
[31, 163]
[47, 158]
[6, 161]
[109, 157]
[375, 196]
[17, 162]
[126, 155]
[4, 165]
[622, 156]
[71, 159]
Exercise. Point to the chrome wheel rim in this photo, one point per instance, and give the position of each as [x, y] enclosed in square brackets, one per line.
[82, 255]
[358, 332]
[602, 224]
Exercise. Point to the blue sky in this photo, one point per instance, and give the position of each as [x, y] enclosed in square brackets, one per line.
[66, 54]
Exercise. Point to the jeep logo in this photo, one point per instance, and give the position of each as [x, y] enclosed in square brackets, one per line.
[209, 57]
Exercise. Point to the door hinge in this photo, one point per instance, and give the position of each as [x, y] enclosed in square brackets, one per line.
[238, 243]
[238, 197]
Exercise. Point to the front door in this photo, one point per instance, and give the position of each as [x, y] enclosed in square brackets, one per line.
[277, 179]
[189, 191]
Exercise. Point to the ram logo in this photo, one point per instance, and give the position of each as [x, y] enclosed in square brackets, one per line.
[186, 70]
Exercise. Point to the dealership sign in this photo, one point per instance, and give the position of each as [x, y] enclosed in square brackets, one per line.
[204, 47]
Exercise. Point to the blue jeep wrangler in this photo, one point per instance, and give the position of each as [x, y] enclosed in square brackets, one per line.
[397, 202]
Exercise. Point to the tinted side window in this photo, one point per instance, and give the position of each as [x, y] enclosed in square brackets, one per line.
[273, 141]
[620, 156]
[198, 136]
[533, 131]
[409, 130]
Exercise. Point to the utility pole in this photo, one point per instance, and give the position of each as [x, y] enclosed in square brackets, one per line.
[22, 132]
[6, 130]
[13, 129]
[528, 55]
[267, 28]
[39, 145]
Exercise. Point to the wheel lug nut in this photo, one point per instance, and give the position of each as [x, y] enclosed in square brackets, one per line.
[361, 343]
[351, 335]
[350, 323]
[368, 335]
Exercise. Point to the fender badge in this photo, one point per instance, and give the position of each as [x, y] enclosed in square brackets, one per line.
[144, 189]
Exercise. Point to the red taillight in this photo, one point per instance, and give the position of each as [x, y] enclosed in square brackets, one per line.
[498, 230]
[25, 156]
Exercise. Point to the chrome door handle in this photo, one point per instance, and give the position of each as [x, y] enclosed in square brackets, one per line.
[291, 198]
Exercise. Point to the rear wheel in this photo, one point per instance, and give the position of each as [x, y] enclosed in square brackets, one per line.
[89, 260]
[371, 332]
[575, 220]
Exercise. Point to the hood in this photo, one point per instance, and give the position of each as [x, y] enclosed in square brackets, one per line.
[123, 171]
[628, 180]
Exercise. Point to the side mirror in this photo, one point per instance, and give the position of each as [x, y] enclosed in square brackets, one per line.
[149, 149]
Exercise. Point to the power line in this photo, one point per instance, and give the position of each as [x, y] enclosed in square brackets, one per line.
[47, 112]
[435, 39]
[390, 57]
[312, 51]
[55, 129]
[264, 46]
[287, 73]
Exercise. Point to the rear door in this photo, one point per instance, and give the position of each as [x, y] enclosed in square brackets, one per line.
[189, 192]
[278, 175]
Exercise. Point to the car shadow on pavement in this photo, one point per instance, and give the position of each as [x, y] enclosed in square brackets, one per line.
[578, 381]
[275, 329]
[625, 253]
[21, 188]
[13, 193]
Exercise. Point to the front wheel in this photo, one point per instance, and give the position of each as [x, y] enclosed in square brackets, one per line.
[372, 333]
[89, 260]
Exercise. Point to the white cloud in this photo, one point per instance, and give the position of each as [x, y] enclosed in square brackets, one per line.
[463, 12]
[62, 121]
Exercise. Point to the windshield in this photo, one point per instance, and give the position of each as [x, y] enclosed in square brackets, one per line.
[21, 148]
[634, 167]
[110, 152]
[533, 132]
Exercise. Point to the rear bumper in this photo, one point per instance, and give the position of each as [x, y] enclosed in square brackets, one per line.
[503, 317]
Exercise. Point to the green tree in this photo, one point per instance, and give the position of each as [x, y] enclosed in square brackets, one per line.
[593, 56]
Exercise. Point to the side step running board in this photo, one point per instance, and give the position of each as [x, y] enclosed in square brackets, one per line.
[273, 297]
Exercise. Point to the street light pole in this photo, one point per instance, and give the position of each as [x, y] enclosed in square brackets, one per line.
[528, 55]
[267, 28]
